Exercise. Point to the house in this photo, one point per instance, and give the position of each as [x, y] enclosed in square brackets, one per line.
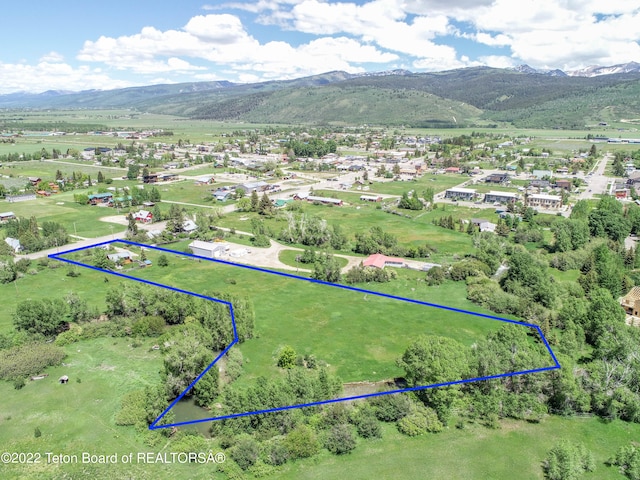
[101, 198]
[6, 216]
[204, 180]
[484, 225]
[542, 173]
[151, 178]
[189, 226]
[564, 184]
[323, 200]
[452, 170]
[460, 193]
[223, 195]
[497, 178]
[500, 197]
[540, 183]
[143, 216]
[34, 180]
[14, 243]
[631, 302]
[634, 178]
[621, 192]
[371, 198]
[208, 249]
[550, 202]
[120, 257]
[378, 260]
[562, 170]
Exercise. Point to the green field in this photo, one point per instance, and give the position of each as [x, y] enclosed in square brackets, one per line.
[517, 450]
[288, 257]
[358, 335]
[439, 182]
[47, 169]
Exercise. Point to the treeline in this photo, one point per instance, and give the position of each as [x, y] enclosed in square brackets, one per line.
[314, 147]
[53, 126]
[33, 237]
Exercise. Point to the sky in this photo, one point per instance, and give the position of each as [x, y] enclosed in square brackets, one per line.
[80, 45]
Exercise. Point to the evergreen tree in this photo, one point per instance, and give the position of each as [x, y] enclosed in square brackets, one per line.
[100, 177]
[255, 201]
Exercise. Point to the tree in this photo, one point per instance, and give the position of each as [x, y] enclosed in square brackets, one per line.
[287, 357]
[154, 195]
[175, 221]
[255, 201]
[45, 317]
[163, 261]
[301, 442]
[206, 389]
[101, 260]
[187, 352]
[100, 177]
[265, 206]
[568, 461]
[430, 360]
[326, 268]
[133, 171]
[243, 204]
[157, 213]
[132, 228]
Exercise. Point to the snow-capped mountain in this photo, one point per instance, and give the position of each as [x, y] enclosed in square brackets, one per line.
[595, 70]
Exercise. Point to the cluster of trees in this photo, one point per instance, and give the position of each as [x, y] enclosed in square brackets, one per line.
[34, 237]
[255, 203]
[138, 301]
[19, 362]
[314, 147]
[312, 231]
[361, 274]
[379, 241]
[410, 203]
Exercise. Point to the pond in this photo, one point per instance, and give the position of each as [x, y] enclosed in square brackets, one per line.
[186, 410]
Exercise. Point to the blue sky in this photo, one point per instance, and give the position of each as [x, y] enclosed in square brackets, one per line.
[78, 45]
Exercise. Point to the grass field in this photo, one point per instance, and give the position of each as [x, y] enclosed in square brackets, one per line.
[47, 169]
[288, 257]
[517, 450]
[438, 182]
[415, 230]
[358, 335]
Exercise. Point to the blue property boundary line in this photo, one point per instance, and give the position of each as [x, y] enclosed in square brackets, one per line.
[155, 426]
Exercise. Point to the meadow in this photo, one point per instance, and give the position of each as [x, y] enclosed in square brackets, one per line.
[358, 335]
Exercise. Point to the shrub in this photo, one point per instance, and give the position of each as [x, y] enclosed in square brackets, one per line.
[340, 439]
[30, 359]
[422, 420]
[287, 357]
[301, 442]
[245, 452]
[390, 408]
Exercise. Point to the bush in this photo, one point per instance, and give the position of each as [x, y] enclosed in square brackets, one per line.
[287, 357]
[30, 359]
[276, 452]
[469, 268]
[301, 442]
[435, 276]
[367, 425]
[245, 452]
[340, 439]
[422, 420]
[149, 326]
[261, 241]
[391, 408]
[163, 260]
[37, 433]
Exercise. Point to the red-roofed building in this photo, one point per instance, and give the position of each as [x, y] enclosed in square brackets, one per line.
[378, 260]
[143, 216]
[452, 170]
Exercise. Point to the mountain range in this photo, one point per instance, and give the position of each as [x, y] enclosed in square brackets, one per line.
[521, 96]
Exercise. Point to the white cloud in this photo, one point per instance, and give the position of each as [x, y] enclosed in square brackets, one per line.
[54, 76]
[222, 40]
[52, 57]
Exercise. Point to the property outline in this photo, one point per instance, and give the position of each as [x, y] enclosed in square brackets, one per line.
[154, 425]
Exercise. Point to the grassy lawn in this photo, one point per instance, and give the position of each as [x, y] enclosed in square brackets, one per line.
[81, 220]
[358, 335]
[415, 230]
[439, 182]
[47, 170]
[186, 191]
[517, 450]
[288, 257]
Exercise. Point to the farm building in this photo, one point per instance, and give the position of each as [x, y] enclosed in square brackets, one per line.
[21, 198]
[208, 249]
[120, 257]
[324, 200]
[143, 216]
[544, 201]
[14, 243]
[371, 198]
[6, 216]
[460, 193]
[378, 260]
[500, 197]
